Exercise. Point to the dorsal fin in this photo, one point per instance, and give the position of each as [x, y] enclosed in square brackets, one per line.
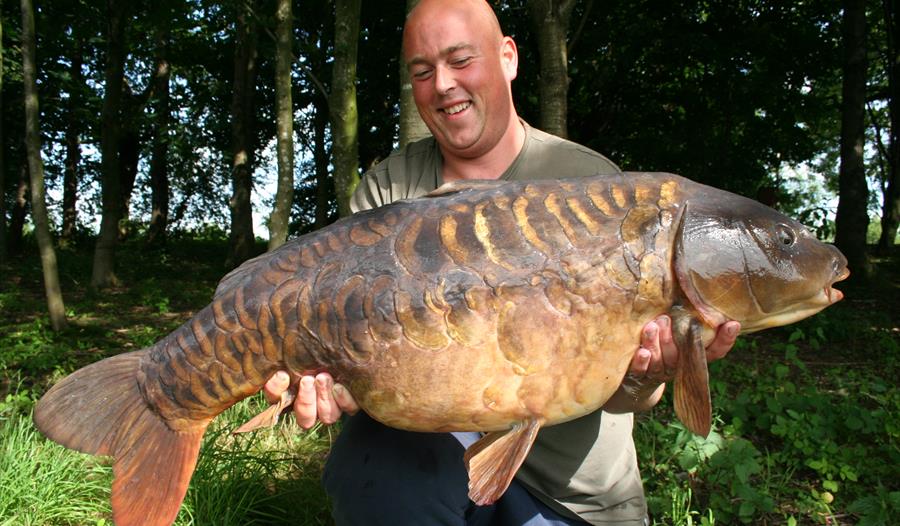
[454, 187]
[237, 276]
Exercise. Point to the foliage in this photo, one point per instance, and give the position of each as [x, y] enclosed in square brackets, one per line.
[806, 428]
[702, 88]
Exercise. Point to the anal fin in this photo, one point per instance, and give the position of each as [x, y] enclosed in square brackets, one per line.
[492, 462]
[692, 400]
[269, 417]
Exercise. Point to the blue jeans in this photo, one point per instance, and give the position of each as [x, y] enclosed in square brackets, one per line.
[379, 475]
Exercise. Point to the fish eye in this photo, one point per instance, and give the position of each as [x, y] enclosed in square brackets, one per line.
[785, 235]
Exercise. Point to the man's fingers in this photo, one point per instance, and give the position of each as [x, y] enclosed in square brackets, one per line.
[667, 344]
[305, 405]
[650, 342]
[345, 400]
[277, 384]
[640, 362]
[326, 407]
[724, 340]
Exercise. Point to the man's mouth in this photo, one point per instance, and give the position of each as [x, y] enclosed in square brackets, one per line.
[456, 108]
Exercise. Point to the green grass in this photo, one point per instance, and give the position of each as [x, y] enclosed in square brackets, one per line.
[807, 426]
[44, 483]
[267, 477]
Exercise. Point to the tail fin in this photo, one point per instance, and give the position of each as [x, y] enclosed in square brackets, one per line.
[99, 410]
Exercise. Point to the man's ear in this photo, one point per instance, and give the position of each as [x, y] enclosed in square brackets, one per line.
[509, 57]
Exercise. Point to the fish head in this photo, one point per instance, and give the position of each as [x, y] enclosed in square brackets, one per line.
[737, 259]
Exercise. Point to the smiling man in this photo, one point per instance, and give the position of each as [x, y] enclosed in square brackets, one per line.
[584, 471]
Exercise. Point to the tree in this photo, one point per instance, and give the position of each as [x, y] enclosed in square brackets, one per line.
[412, 127]
[284, 115]
[890, 215]
[73, 142]
[852, 219]
[110, 136]
[240, 246]
[551, 22]
[55, 305]
[159, 162]
[344, 116]
[2, 166]
[19, 211]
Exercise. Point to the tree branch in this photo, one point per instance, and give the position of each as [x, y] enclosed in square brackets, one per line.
[577, 34]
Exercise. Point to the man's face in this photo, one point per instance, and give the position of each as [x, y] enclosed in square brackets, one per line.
[460, 73]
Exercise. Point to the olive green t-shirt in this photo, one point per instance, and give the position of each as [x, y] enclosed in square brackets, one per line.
[586, 466]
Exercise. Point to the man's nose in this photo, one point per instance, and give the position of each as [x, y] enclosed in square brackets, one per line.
[444, 79]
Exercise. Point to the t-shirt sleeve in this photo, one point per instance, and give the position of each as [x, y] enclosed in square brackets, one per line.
[367, 194]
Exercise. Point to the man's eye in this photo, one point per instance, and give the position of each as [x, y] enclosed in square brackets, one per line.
[460, 62]
[421, 74]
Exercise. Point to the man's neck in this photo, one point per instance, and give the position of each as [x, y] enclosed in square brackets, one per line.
[490, 165]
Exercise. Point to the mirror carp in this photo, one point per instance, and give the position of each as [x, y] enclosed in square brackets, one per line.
[485, 306]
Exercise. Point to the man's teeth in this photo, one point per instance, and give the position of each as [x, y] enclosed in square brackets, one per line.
[457, 108]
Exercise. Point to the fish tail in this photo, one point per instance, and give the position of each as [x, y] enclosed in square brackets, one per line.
[100, 410]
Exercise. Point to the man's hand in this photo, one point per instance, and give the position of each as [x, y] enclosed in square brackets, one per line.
[655, 362]
[318, 398]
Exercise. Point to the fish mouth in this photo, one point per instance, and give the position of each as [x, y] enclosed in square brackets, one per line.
[834, 295]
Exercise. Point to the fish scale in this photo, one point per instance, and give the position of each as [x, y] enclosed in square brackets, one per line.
[486, 306]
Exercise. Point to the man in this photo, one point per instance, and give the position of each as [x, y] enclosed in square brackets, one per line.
[461, 69]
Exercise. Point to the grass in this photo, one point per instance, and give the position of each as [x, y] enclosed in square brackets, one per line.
[806, 431]
[44, 483]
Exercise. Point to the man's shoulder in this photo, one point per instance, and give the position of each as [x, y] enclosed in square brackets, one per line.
[550, 156]
[411, 157]
[566, 147]
[409, 171]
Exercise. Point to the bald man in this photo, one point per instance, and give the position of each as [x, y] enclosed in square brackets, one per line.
[584, 471]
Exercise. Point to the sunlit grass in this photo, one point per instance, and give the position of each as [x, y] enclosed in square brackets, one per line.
[265, 477]
[45, 484]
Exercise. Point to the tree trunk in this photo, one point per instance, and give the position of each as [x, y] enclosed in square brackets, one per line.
[19, 212]
[241, 236]
[3, 237]
[55, 306]
[129, 155]
[852, 219]
[890, 214]
[551, 21]
[110, 135]
[284, 115]
[320, 158]
[159, 161]
[344, 118]
[73, 146]
[412, 127]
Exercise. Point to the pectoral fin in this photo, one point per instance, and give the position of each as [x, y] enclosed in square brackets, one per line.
[492, 462]
[269, 417]
[692, 400]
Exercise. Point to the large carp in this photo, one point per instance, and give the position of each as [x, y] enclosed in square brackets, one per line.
[487, 306]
